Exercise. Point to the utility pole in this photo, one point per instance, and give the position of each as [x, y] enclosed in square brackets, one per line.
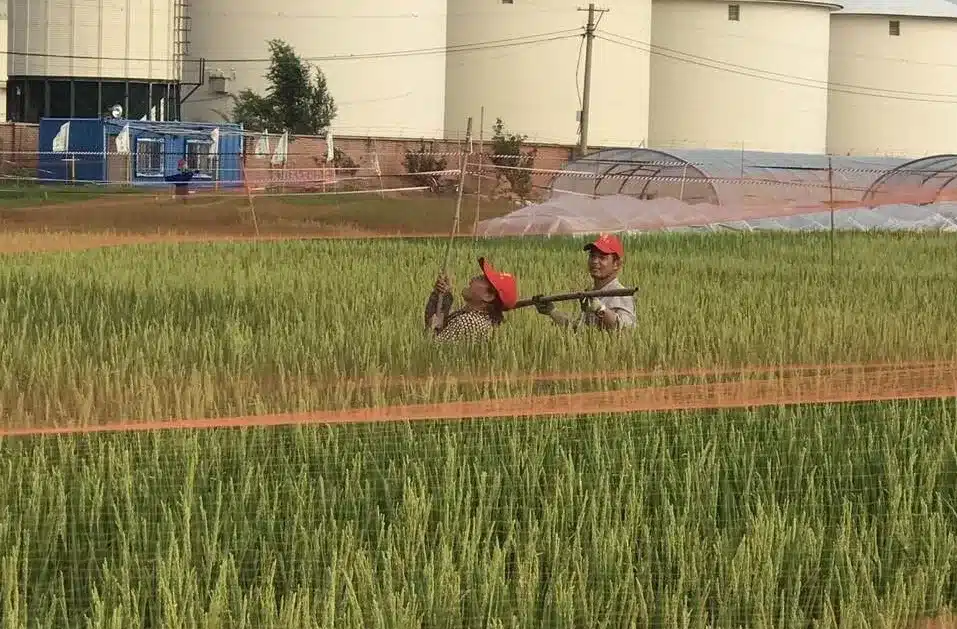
[586, 89]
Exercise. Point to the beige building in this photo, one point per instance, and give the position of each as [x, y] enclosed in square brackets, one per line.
[79, 59]
[384, 62]
[748, 75]
[532, 76]
[893, 78]
[3, 65]
[864, 77]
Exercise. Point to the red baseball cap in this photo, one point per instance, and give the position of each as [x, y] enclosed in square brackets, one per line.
[607, 243]
[503, 283]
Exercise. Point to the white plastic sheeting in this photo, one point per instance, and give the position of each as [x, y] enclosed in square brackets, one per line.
[567, 214]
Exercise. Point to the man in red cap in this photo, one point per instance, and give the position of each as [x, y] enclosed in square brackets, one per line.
[605, 257]
[487, 297]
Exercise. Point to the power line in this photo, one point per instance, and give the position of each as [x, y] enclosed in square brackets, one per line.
[827, 83]
[458, 48]
[777, 77]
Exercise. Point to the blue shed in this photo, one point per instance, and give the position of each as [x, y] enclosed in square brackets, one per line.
[91, 153]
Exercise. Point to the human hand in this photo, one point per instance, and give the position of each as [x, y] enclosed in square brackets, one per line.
[443, 285]
[591, 305]
[543, 307]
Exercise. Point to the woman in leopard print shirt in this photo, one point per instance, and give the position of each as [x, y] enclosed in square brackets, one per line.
[487, 297]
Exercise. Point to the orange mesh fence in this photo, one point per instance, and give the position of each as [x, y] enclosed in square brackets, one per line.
[745, 388]
[670, 194]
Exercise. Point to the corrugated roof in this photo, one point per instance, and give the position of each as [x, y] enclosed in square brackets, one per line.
[903, 8]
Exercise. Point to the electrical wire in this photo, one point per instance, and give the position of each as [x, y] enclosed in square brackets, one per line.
[777, 77]
[828, 83]
[452, 49]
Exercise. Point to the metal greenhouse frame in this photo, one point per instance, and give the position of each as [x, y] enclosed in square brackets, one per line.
[724, 177]
[920, 181]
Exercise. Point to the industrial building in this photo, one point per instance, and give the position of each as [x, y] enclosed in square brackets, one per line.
[851, 77]
[533, 79]
[893, 78]
[378, 92]
[77, 59]
[740, 75]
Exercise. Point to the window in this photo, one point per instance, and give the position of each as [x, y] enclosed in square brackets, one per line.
[508, 2]
[895, 28]
[61, 97]
[150, 157]
[199, 159]
[86, 99]
[734, 12]
[139, 101]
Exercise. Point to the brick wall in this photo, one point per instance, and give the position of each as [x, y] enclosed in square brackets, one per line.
[18, 148]
[306, 159]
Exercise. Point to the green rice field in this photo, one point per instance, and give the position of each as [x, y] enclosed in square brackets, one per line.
[802, 516]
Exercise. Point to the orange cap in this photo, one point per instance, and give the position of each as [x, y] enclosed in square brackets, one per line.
[504, 284]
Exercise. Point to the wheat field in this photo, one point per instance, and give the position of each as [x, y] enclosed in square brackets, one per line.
[798, 516]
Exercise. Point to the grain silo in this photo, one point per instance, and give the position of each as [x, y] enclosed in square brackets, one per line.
[3, 65]
[747, 75]
[524, 63]
[384, 62]
[79, 59]
[893, 78]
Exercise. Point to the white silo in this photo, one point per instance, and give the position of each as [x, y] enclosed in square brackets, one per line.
[78, 59]
[893, 78]
[746, 74]
[384, 62]
[3, 65]
[524, 63]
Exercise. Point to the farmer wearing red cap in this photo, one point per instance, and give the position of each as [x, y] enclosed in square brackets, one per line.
[487, 297]
[605, 257]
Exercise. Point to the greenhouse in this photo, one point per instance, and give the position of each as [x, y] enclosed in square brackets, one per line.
[921, 181]
[724, 177]
[640, 190]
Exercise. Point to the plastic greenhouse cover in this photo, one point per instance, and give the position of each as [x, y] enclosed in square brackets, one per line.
[568, 214]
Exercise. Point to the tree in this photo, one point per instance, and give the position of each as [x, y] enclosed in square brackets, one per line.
[297, 99]
[507, 152]
[424, 161]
